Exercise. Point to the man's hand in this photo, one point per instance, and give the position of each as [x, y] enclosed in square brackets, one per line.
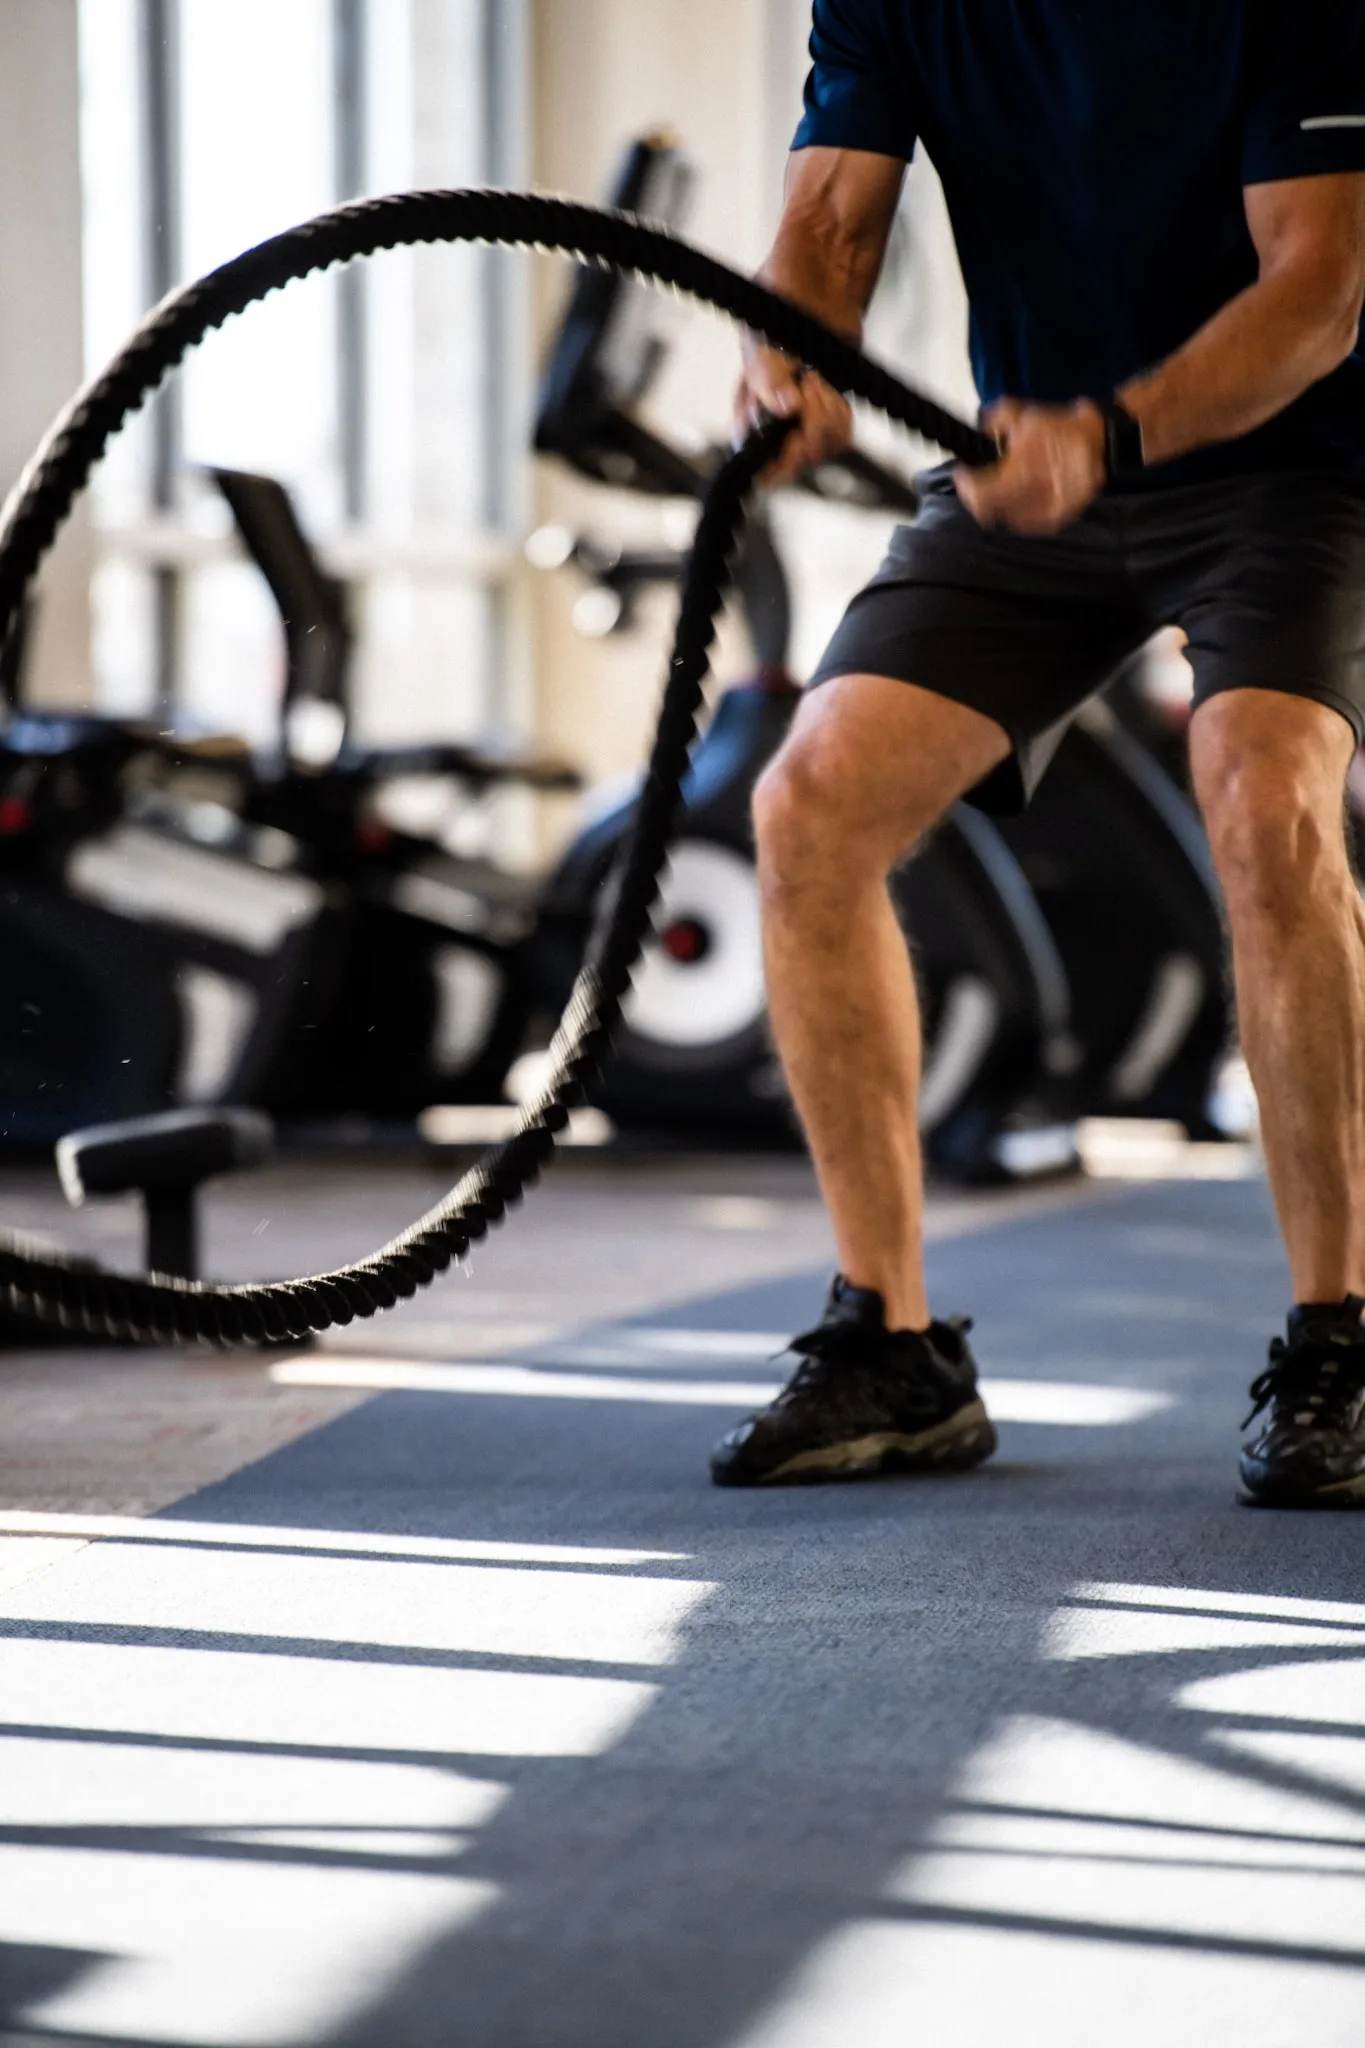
[1052, 464]
[773, 384]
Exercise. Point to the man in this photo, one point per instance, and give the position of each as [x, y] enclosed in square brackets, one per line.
[1159, 206]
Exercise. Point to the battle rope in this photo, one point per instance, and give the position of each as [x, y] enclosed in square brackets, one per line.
[81, 1298]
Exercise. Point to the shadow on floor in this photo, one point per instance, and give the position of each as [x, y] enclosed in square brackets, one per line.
[1077, 1704]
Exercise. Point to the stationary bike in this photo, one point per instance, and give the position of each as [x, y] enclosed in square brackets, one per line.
[155, 948]
[429, 997]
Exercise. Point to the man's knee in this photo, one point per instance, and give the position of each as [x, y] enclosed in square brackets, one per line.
[1271, 795]
[796, 809]
[796, 804]
[869, 766]
[811, 820]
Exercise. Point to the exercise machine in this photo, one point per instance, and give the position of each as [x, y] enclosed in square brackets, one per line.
[185, 922]
[165, 1160]
[155, 948]
[429, 993]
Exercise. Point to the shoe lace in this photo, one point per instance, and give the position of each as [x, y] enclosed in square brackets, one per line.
[829, 1344]
[832, 1344]
[1321, 1379]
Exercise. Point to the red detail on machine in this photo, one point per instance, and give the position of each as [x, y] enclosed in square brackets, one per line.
[372, 835]
[776, 681]
[684, 940]
[16, 815]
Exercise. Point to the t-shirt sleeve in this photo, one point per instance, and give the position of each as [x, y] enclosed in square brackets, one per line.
[856, 96]
[1305, 89]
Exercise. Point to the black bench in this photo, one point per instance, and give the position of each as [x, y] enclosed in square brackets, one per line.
[164, 1158]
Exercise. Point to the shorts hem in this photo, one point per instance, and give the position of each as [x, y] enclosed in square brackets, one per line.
[1315, 693]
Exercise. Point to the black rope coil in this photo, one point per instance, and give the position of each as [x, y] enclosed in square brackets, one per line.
[109, 1304]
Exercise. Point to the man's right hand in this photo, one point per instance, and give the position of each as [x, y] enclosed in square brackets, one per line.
[773, 385]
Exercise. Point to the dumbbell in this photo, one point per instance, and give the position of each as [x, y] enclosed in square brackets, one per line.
[165, 1158]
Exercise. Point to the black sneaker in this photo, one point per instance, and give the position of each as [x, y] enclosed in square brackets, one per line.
[1311, 1451]
[865, 1399]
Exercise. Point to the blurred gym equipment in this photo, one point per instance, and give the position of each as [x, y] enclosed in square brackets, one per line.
[165, 1159]
[67, 1291]
[429, 995]
[155, 947]
[182, 921]
[1118, 862]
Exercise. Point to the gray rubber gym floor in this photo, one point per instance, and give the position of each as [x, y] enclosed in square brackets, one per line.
[477, 1717]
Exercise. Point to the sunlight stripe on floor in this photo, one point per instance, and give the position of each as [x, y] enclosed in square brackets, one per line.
[406, 1604]
[1085, 1888]
[1051, 1403]
[345, 1542]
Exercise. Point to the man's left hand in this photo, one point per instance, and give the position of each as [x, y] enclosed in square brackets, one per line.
[1052, 464]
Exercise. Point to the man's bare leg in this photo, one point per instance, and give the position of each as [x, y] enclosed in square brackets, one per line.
[870, 765]
[1270, 771]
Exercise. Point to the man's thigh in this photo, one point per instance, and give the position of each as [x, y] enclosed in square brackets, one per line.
[1266, 575]
[1019, 631]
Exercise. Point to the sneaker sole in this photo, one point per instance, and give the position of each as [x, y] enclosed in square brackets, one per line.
[967, 1438]
[1284, 1493]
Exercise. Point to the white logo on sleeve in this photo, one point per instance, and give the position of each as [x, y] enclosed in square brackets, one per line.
[1333, 121]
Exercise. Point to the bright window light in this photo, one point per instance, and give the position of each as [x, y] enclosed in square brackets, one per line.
[345, 1542]
[889, 1986]
[1036, 1765]
[1091, 1889]
[256, 1697]
[492, 1610]
[639, 1345]
[179, 1935]
[1148, 1849]
[533, 1383]
[1334, 1761]
[304, 1807]
[57, 1782]
[23, 1557]
[1071, 1405]
[392, 403]
[1274, 1606]
[1126, 1621]
[1133, 1148]
[1314, 1691]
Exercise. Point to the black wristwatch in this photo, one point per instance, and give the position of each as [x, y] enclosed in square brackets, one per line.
[1123, 455]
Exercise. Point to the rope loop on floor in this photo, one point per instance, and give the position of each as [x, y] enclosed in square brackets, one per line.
[71, 1292]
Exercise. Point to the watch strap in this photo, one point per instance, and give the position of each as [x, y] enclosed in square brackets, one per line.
[1123, 456]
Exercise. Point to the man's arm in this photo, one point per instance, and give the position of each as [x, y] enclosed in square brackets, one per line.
[1294, 326]
[840, 204]
[1266, 347]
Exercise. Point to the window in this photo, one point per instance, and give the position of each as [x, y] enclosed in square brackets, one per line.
[387, 398]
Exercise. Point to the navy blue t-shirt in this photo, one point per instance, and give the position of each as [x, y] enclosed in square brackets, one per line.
[1093, 154]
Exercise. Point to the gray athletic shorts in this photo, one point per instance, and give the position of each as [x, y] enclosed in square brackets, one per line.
[1265, 573]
